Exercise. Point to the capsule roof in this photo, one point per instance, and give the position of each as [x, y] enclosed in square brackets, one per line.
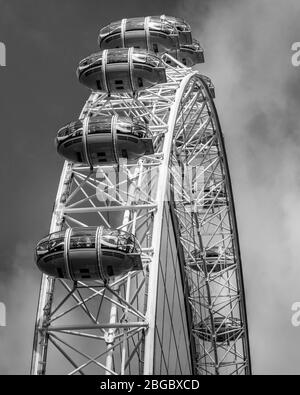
[120, 55]
[152, 33]
[84, 237]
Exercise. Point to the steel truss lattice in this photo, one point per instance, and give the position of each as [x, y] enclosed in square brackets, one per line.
[97, 328]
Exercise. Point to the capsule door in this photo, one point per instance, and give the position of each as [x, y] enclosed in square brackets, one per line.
[118, 77]
[101, 151]
[82, 256]
[153, 35]
[136, 39]
[83, 263]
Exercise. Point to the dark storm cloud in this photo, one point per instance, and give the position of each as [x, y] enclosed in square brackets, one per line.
[248, 56]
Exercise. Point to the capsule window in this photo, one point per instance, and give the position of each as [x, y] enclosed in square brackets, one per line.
[85, 273]
[135, 24]
[117, 56]
[118, 255]
[119, 84]
[59, 272]
[155, 47]
[89, 72]
[109, 39]
[101, 156]
[140, 82]
[110, 271]
[124, 153]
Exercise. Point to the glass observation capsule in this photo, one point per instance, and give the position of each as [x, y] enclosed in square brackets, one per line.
[91, 253]
[225, 329]
[104, 140]
[151, 33]
[183, 28]
[121, 70]
[189, 55]
[212, 258]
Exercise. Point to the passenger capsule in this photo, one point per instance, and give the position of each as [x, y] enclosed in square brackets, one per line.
[89, 253]
[225, 329]
[213, 259]
[183, 28]
[151, 33]
[121, 70]
[189, 55]
[104, 140]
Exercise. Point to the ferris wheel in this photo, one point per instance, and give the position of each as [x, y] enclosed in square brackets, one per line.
[141, 268]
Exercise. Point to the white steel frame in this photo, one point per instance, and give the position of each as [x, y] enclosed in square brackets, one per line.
[119, 318]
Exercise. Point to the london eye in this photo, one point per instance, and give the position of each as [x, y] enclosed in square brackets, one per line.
[142, 268]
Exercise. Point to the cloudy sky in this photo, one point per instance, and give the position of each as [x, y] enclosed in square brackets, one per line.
[248, 55]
